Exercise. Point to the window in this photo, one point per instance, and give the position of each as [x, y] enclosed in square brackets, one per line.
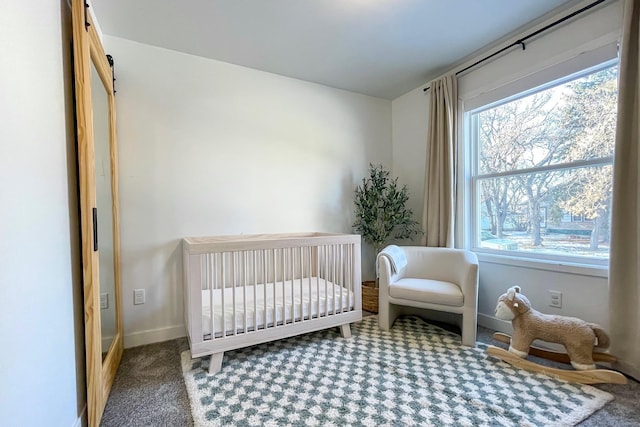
[541, 169]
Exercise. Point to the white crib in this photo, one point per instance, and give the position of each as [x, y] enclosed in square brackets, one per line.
[249, 289]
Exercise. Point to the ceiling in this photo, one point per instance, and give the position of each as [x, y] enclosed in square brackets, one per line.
[382, 48]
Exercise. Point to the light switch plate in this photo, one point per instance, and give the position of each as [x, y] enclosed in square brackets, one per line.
[104, 301]
[138, 296]
[555, 299]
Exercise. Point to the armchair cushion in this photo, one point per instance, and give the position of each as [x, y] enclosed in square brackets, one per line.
[434, 291]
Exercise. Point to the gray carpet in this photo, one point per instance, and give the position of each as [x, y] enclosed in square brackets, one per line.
[149, 390]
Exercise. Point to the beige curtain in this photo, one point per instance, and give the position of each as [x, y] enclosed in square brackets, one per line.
[440, 176]
[624, 265]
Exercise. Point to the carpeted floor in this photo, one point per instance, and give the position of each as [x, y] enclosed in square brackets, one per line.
[149, 388]
[149, 391]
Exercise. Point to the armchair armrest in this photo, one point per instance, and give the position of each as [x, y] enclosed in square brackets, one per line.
[468, 275]
[386, 276]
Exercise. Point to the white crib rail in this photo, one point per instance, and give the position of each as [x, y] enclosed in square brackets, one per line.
[264, 287]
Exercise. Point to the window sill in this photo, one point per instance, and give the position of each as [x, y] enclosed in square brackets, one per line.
[557, 266]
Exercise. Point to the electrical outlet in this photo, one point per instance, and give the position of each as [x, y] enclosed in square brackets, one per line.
[138, 296]
[104, 301]
[555, 299]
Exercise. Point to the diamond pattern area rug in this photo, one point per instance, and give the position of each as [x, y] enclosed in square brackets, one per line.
[414, 375]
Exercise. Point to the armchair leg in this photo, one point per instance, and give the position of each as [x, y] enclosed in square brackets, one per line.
[387, 315]
[469, 328]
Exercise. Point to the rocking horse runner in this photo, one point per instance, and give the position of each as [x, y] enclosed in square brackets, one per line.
[578, 337]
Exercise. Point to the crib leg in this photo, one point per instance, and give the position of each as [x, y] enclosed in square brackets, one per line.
[345, 330]
[215, 363]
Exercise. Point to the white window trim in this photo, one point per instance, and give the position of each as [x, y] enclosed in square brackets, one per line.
[555, 265]
[468, 191]
[599, 161]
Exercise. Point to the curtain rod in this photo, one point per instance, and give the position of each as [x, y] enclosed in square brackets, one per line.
[520, 42]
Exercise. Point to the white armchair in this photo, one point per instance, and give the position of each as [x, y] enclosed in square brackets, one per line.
[441, 279]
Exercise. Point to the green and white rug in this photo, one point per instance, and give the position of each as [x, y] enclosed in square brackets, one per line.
[416, 374]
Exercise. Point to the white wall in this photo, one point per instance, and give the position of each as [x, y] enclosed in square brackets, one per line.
[42, 359]
[209, 148]
[583, 295]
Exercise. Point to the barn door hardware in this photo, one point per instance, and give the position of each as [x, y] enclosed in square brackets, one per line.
[113, 71]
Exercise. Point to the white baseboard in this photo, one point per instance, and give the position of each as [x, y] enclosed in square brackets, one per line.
[628, 369]
[151, 336]
[82, 419]
[106, 342]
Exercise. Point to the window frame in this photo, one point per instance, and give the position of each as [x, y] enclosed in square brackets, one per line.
[591, 266]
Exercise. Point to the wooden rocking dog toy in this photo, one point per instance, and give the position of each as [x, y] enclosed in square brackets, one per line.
[578, 337]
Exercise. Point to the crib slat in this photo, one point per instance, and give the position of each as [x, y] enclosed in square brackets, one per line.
[310, 251]
[345, 279]
[204, 274]
[301, 278]
[255, 291]
[334, 263]
[290, 264]
[334, 259]
[222, 289]
[284, 300]
[293, 277]
[264, 286]
[234, 268]
[336, 272]
[349, 276]
[326, 276]
[341, 273]
[210, 280]
[318, 281]
[244, 290]
[340, 281]
[275, 279]
[311, 267]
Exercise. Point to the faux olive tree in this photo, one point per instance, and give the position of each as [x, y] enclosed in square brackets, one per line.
[380, 209]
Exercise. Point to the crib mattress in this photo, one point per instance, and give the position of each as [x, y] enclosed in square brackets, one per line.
[302, 299]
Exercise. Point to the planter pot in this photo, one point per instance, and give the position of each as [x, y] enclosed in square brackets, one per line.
[370, 296]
